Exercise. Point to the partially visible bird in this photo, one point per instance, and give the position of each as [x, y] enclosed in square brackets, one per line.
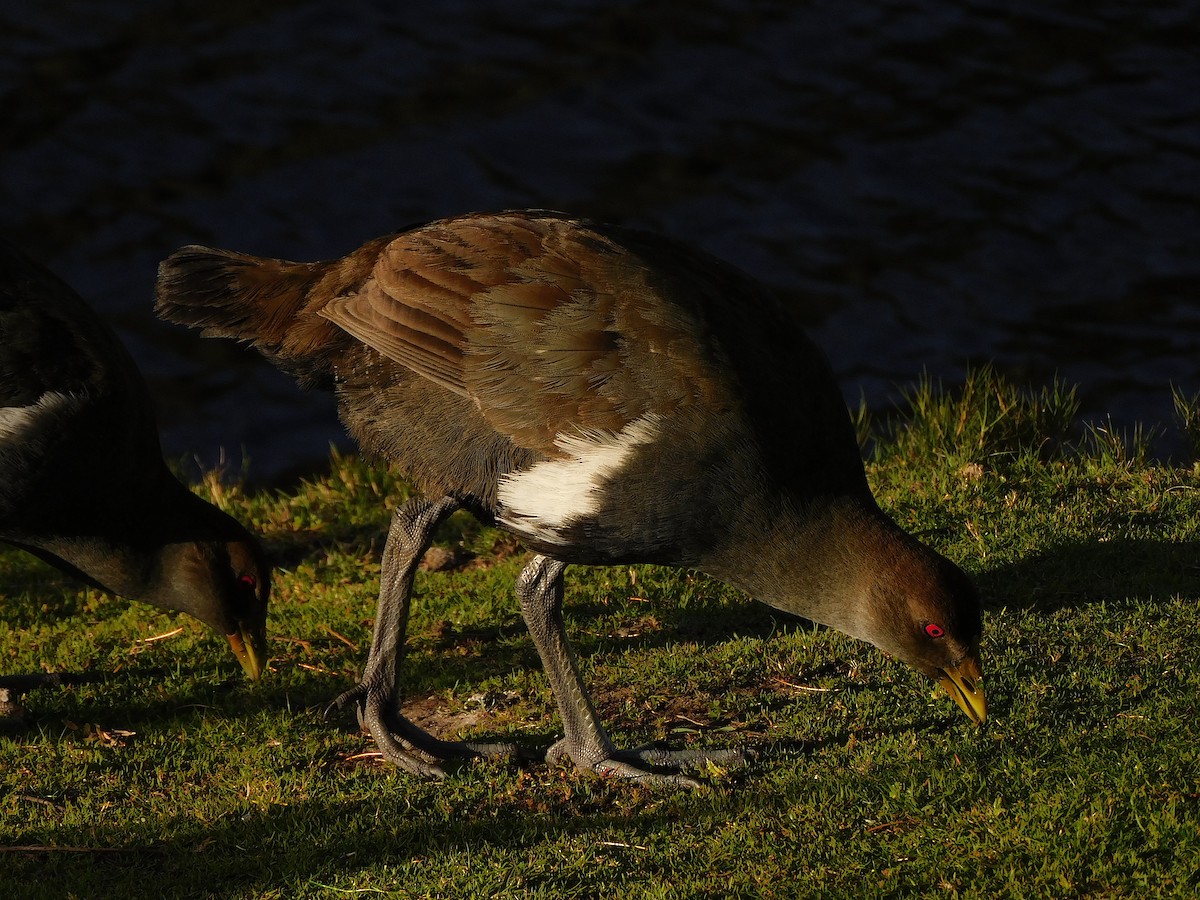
[83, 484]
[609, 397]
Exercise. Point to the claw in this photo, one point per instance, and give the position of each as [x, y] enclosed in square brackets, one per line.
[355, 695]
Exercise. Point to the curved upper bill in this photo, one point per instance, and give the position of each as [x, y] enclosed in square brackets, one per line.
[250, 647]
[963, 682]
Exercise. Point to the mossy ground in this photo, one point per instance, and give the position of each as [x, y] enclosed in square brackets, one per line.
[160, 771]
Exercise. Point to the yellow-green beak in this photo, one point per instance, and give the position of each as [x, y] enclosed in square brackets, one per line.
[250, 647]
[963, 682]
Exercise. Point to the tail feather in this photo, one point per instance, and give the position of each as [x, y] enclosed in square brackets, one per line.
[234, 295]
[271, 303]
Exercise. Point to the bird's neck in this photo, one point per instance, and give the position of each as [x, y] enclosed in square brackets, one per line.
[820, 562]
[139, 551]
[111, 565]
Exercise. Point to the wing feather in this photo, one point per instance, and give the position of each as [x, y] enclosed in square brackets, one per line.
[536, 319]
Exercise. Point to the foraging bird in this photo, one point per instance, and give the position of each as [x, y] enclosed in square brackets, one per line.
[83, 484]
[609, 397]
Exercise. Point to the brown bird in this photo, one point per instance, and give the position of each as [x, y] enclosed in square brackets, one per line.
[610, 397]
[83, 484]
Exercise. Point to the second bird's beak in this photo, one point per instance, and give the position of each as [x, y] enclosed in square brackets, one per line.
[249, 645]
[962, 683]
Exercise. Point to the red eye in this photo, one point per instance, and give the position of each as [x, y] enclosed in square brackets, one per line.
[934, 631]
[248, 582]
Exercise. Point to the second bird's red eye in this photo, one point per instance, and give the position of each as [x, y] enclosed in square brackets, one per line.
[248, 581]
[934, 630]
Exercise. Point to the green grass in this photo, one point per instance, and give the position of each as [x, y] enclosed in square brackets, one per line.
[163, 772]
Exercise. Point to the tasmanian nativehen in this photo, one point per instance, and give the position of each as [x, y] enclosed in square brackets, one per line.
[83, 484]
[609, 397]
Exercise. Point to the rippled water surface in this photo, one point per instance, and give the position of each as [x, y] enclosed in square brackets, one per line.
[929, 183]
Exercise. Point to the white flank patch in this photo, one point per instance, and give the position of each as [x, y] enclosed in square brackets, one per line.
[543, 500]
[24, 424]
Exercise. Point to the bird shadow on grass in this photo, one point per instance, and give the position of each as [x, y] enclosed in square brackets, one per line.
[368, 827]
[1075, 574]
[128, 696]
[311, 842]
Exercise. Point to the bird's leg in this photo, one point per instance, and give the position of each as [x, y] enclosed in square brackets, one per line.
[540, 590]
[378, 695]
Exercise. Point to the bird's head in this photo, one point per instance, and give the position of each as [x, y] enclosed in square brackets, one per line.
[849, 566]
[925, 611]
[226, 585]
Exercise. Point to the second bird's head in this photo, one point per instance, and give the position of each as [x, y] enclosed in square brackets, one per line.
[226, 585]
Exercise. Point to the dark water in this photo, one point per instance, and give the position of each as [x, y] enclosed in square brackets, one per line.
[930, 183]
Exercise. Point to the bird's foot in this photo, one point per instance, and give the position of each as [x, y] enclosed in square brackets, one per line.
[649, 764]
[406, 744]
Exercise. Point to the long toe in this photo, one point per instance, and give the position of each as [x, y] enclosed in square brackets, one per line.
[652, 765]
[395, 753]
[641, 773]
[417, 738]
[394, 748]
[499, 750]
[696, 758]
[405, 743]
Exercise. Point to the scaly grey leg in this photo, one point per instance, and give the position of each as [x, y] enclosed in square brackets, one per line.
[540, 590]
[378, 696]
